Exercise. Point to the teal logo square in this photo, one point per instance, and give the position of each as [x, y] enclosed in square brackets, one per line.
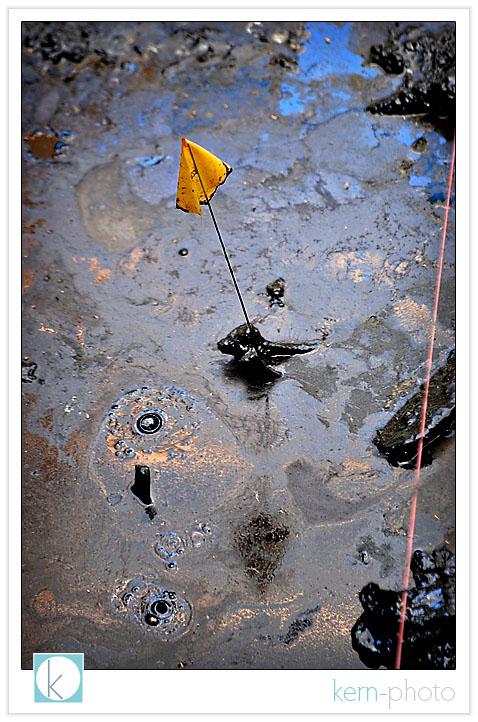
[58, 677]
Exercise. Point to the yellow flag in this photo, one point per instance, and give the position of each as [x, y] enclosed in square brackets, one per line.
[200, 172]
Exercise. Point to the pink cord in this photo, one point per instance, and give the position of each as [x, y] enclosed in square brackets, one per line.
[413, 507]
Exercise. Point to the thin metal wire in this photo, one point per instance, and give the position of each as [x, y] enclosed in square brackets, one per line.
[413, 505]
[236, 286]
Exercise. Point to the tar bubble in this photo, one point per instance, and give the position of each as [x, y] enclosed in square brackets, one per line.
[152, 608]
[149, 422]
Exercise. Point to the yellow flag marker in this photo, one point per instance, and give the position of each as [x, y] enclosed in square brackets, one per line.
[200, 173]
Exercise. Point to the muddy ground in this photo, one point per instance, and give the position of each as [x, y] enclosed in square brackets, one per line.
[266, 508]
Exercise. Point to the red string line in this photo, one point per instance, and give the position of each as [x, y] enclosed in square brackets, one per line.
[413, 506]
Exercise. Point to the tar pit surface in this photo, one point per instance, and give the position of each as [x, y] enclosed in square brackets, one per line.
[181, 508]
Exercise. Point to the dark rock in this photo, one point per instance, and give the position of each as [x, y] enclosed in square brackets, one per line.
[429, 641]
[284, 61]
[256, 355]
[275, 291]
[391, 62]
[398, 439]
[28, 371]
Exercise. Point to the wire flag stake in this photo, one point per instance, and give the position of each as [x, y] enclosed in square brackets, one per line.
[196, 188]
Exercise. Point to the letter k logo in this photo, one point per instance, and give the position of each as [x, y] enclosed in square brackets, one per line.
[58, 677]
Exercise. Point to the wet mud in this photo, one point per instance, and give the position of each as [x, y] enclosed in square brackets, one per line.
[111, 213]
[184, 508]
[429, 642]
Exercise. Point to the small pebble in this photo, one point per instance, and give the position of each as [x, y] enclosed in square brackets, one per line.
[114, 499]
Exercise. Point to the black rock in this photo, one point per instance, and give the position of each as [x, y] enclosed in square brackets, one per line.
[275, 291]
[429, 639]
[427, 63]
[398, 439]
[256, 355]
